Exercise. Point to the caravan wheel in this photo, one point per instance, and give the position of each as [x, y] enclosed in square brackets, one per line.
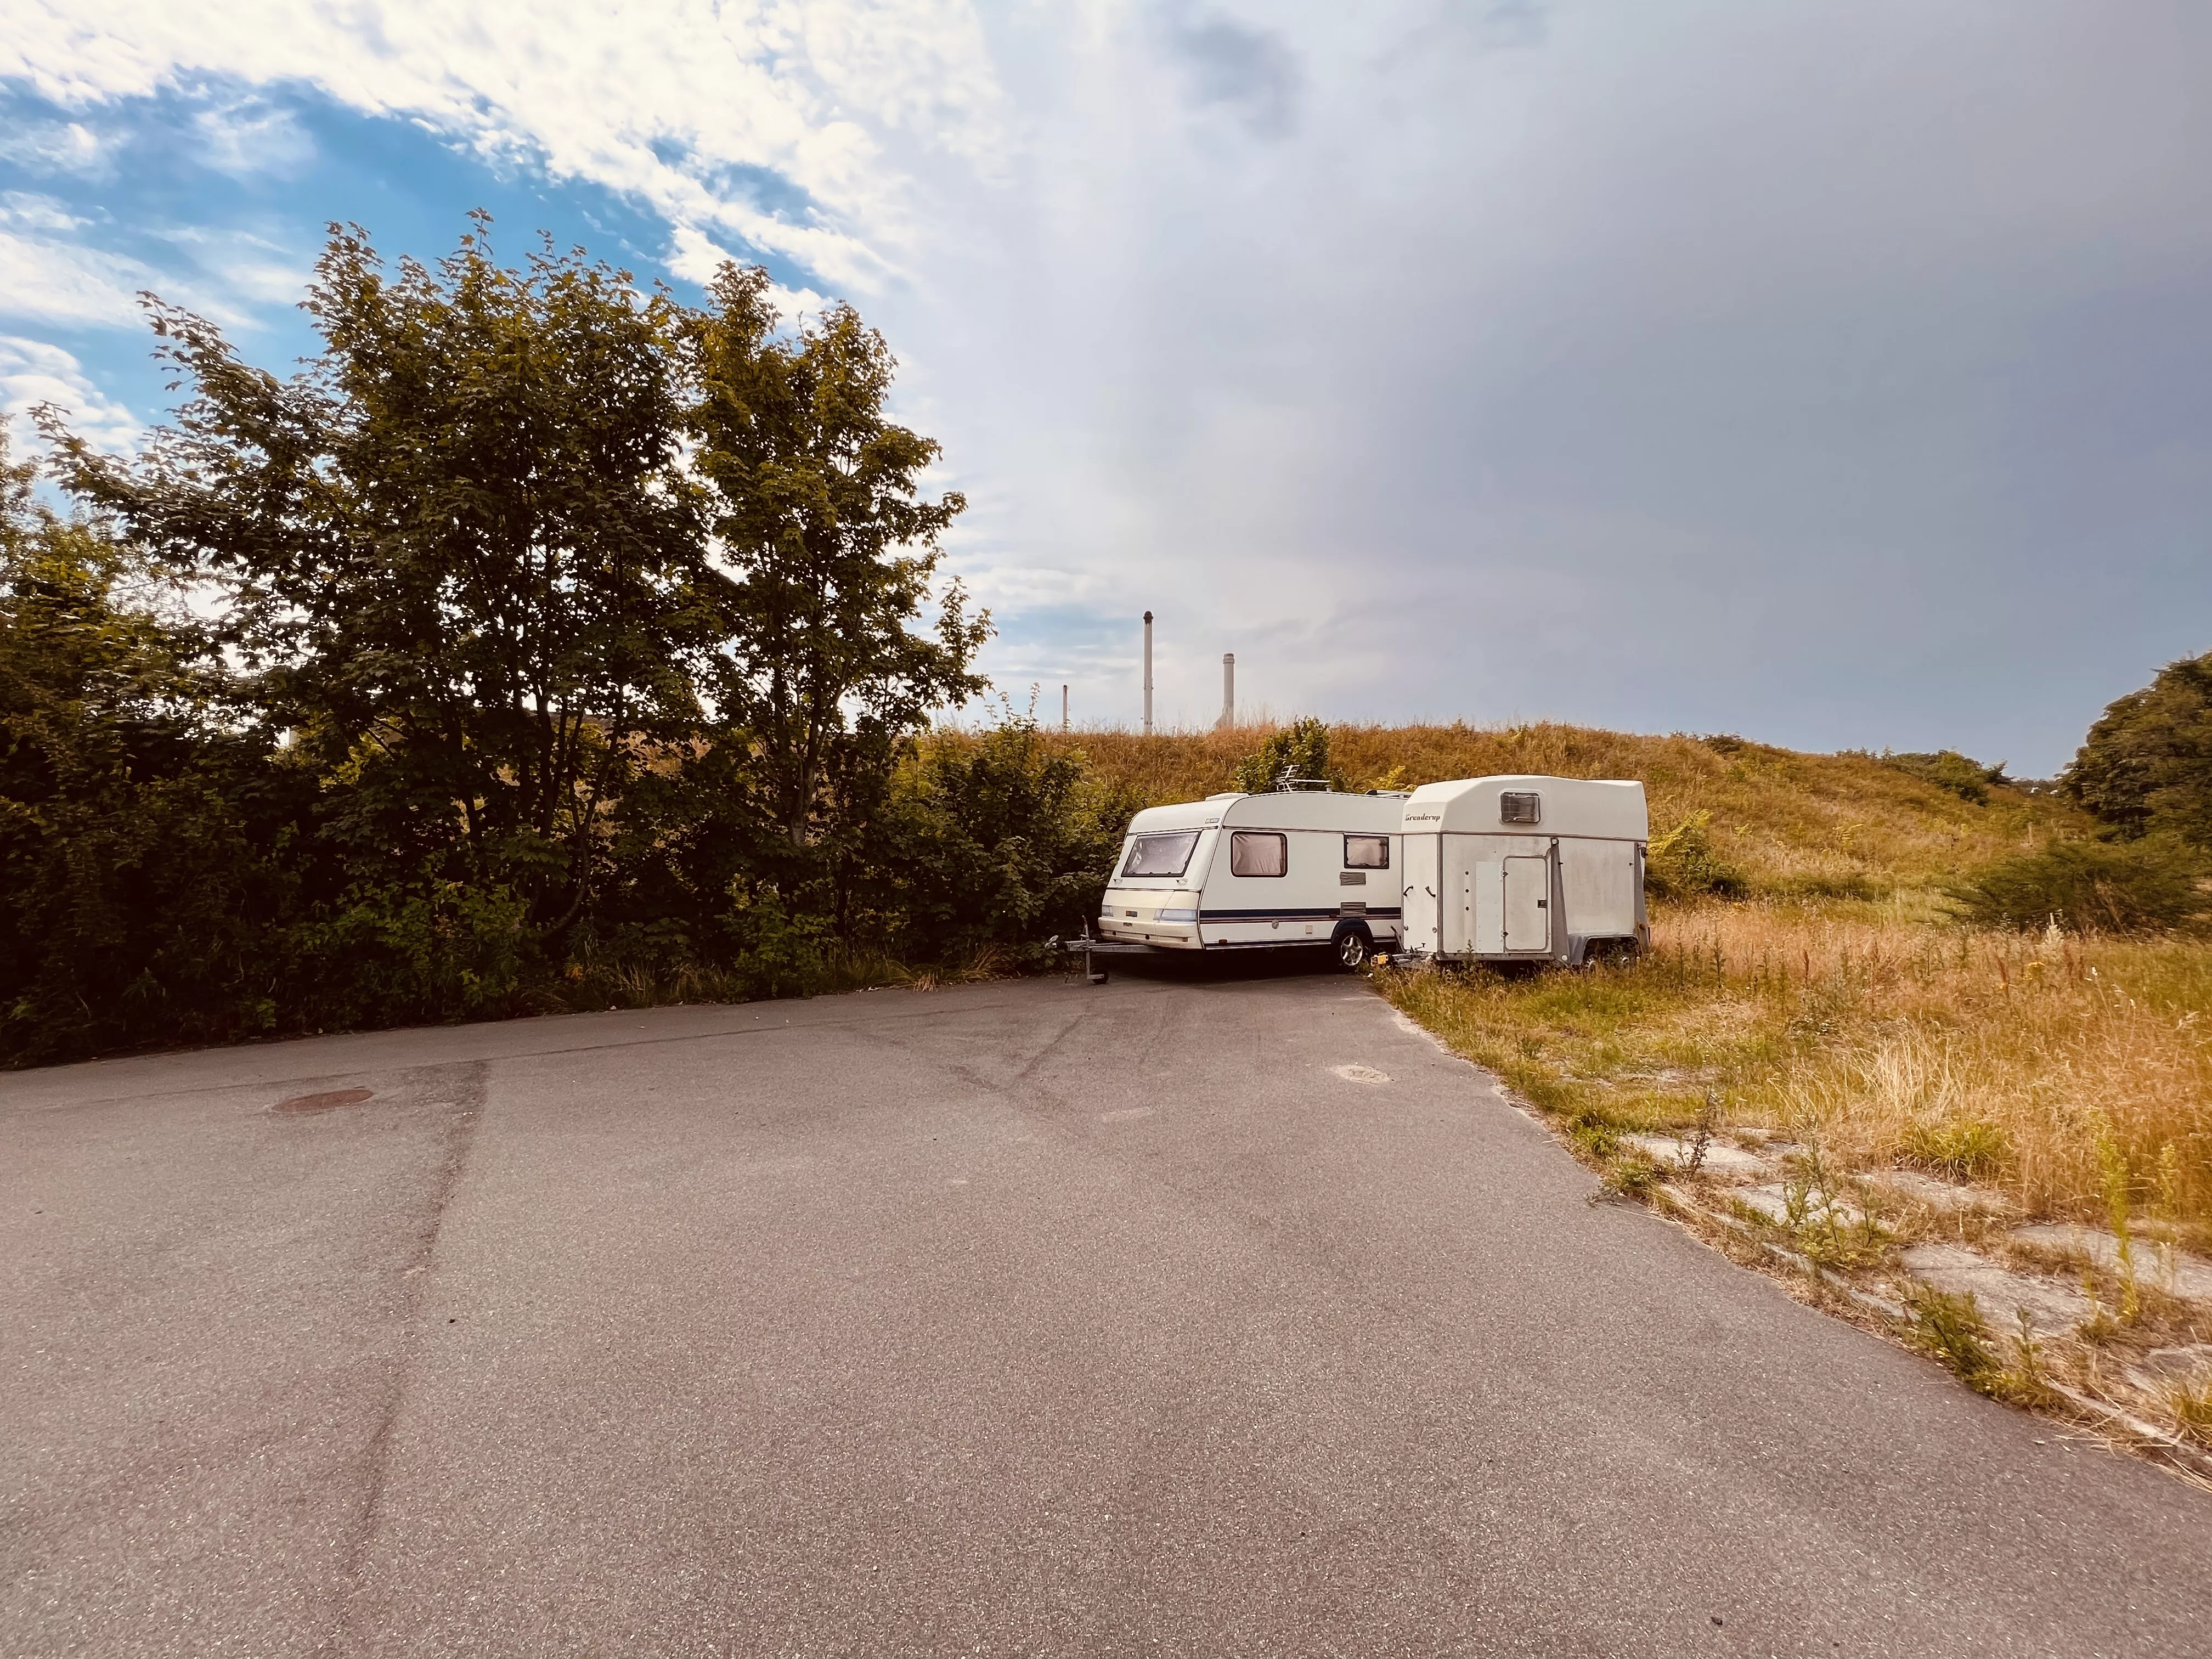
[1352, 944]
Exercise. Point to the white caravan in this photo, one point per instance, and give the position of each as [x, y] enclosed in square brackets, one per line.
[1524, 869]
[1244, 871]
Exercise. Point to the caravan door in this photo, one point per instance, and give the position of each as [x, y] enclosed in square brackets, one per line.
[1528, 903]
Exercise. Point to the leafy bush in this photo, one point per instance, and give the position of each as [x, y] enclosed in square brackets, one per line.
[1946, 768]
[995, 838]
[1683, 863]
[426, 951]
[1299, 751]
[777, 953]
[135, 880]
[1963, 1149]
[2086, 886]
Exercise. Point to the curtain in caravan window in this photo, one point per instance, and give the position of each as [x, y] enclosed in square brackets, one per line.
[1259, 852]
[1367, 852]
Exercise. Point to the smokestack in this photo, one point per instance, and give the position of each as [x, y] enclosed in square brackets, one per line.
[1063, 709]
[1228, 690]
[1148, 673]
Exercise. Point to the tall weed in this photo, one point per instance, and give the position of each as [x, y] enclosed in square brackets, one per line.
[1993, 1057]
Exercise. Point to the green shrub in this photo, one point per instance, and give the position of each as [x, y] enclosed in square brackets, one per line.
[1963, 1149]
[994, 841]
[1950, 1328]
[1299, 752]
[1946, 768]
[426, 951]
[2087, 887]
[778, 954]
[1684, 864]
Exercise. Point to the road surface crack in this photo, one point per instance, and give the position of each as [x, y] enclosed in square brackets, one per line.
[464, 1089]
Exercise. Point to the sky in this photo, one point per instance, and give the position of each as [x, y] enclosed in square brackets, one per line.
[1836, 374]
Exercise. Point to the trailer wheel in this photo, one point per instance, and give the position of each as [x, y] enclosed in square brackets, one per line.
[1352, 944]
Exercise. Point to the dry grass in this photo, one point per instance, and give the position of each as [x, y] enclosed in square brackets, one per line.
[2027, 1063]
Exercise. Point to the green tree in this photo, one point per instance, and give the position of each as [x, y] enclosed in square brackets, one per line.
[2146, 763]
[1296, 752]
[826, 552]
[133, 899]
[547, 641]
[459, 550]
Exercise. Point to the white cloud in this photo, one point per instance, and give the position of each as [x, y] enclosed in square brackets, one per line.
[694, 255]
[25, 211]
[245, 139]
[661, 98]
[242, 264]
[49, 282]
[34, 371]
[47, 276]
[60, 147]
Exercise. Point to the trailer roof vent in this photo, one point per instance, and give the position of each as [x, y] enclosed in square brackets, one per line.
[1519, 807]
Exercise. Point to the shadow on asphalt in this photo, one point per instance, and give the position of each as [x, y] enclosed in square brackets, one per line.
[1214, 967]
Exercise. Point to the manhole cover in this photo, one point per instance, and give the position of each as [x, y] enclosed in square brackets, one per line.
[305, 1105]
[1360, 1074]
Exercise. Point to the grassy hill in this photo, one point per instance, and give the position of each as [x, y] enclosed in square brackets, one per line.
[1793, 824]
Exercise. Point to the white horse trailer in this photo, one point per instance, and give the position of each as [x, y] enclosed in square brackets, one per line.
[1525, 869]
[1250, 871]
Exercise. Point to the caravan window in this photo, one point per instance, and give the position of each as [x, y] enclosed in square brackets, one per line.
[1519, 807]
[1367, 852]
[1259, 852]
[1161, 855]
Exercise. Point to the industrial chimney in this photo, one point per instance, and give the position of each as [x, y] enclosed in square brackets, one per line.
[1148, 673]
[1228, 690]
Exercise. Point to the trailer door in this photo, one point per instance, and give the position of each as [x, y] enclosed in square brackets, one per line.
[1422, 887]
[1528, 904]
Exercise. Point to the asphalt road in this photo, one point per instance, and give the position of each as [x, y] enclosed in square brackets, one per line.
[1018, 1318]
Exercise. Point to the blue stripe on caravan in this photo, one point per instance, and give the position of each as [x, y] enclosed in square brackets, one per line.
[1381, 911]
